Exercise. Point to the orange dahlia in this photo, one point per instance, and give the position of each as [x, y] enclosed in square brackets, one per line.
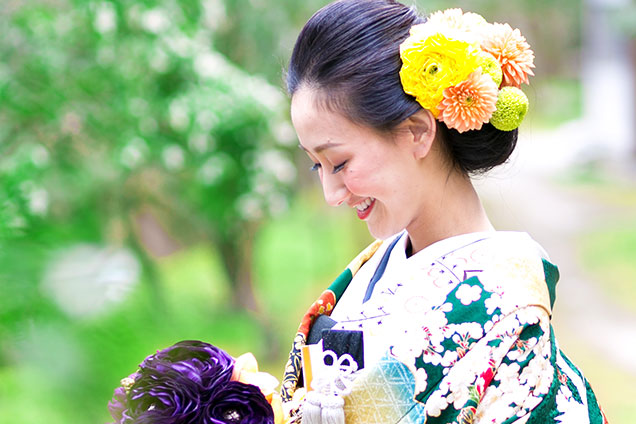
[513, 53]
[469, 104]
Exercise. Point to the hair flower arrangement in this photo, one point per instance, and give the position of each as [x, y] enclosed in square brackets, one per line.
[193, 382]
[466, 71]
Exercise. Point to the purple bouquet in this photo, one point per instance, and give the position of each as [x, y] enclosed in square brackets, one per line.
[190, 382]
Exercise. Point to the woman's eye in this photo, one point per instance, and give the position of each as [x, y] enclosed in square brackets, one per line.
[339, 167]
[315, 167]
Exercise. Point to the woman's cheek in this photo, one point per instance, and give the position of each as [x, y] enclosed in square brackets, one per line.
[360, 183]
[352, 180]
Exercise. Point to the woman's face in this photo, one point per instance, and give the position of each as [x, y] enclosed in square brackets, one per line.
[377, 175]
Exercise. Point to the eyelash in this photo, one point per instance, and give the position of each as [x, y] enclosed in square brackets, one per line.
[339, 168]
[336, 169]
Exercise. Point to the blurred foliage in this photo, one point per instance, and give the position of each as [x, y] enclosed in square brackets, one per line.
[609, 254]
[114, 108]
[124, 135]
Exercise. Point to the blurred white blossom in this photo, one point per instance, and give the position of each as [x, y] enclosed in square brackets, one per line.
[180, 44]
[133, 154]
[206, 119]
[284, 133]
[212, 170]
[266, 94]
[155, 20]
[105, 18]
[262, 185]
[209, 64]
[199, 143]
[213, 13]
[85, 280]
[173, 157]
[274, 162]
[179, 117]
[37, 197]
[249, 207]
[39, 156]
[39, 201]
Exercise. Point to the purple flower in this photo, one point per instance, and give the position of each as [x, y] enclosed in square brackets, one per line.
[173, 386]
[238, 403]
[201, 362]
[164, 398]
[118, 404]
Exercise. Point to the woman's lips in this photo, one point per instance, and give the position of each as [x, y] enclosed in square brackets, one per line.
[364, 208]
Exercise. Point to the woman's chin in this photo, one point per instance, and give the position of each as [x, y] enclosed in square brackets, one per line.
[382, 233]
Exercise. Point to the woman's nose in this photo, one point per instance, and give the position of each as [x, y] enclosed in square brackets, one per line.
[334, 189]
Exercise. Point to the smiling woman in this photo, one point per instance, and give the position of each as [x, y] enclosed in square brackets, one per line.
[362, 166]
[443, 318]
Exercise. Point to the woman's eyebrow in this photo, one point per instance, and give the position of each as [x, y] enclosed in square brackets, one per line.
[321, 147]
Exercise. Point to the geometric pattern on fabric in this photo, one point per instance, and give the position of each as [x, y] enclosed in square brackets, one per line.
[383, 395]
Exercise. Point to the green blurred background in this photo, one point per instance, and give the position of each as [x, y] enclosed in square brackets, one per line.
[152, 191]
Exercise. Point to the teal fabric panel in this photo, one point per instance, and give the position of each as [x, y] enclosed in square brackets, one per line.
[551, 273]
[341, 283]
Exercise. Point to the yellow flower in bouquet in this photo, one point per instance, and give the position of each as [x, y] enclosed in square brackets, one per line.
[246, 371]
[433, 63]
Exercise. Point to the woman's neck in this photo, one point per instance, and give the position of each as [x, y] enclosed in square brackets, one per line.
[455, 209]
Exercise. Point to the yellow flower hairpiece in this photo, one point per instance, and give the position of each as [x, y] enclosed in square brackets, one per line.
[456, 64]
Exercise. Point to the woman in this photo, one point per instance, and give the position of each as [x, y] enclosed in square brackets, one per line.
[443, 319]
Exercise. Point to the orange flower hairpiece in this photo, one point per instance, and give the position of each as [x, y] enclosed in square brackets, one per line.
[456, 64]
[512, 52]
[469, 104]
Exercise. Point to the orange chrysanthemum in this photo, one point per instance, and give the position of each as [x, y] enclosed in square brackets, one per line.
[469, 104]
[513, 53]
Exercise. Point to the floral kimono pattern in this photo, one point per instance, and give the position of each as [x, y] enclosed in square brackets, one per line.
[463, 338]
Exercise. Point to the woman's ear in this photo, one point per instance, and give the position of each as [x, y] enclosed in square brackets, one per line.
[422, 128]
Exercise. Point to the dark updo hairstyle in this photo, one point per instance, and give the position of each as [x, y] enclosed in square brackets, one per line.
[349, 51]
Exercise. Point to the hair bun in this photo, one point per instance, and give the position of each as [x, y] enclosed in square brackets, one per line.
[477, 151]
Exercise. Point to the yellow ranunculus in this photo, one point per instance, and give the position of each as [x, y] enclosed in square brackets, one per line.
[433, 62]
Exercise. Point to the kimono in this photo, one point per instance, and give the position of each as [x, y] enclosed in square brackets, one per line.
[457, 333]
